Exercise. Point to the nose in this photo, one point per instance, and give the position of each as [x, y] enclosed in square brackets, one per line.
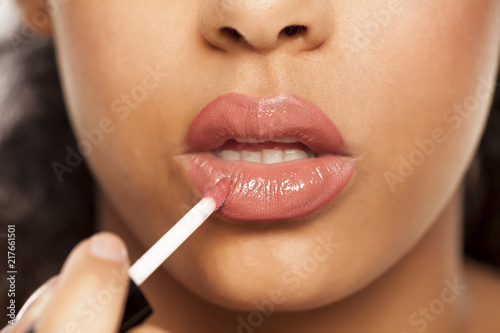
[265, 25]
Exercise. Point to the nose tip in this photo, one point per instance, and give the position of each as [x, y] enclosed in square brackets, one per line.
[265, 25]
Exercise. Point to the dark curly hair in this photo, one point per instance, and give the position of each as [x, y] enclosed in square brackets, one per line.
[52, 216]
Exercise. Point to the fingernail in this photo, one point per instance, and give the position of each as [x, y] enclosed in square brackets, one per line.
[108, 247]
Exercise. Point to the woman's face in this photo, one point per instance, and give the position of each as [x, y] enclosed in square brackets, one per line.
[407, 84]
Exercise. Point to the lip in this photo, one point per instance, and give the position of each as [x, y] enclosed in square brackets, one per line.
[264, 192]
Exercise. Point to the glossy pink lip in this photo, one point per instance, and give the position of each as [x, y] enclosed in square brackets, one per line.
[268, 191]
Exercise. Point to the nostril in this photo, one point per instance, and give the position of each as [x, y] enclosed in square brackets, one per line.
[231, 32]
[293, 30]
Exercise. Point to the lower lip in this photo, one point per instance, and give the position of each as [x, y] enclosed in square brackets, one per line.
[264, 192]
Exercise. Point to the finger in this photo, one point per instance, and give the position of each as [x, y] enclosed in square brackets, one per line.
[92, 288]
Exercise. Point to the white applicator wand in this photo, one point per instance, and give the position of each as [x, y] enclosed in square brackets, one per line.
[137, 308]
[164, 247]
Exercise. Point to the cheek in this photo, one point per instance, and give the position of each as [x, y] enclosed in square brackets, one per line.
[446, 84]
[424, 101]
[125, 75]
[117, 63]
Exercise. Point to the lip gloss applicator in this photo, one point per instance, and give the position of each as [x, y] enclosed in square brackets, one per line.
[137, 308]
[167, 244]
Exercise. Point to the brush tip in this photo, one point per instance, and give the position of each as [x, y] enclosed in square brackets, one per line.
[220, 191]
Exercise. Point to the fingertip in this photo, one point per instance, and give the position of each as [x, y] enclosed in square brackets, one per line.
[103, 248]
[93, 287]
[109, 247]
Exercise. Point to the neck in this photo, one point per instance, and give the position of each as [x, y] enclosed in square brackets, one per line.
[421, 293]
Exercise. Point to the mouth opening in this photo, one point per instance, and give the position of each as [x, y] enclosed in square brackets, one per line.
[264, 152]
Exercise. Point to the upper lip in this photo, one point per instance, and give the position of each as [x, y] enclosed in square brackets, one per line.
[276, 117]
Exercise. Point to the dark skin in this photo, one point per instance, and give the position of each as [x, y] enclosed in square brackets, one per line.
[414, 62]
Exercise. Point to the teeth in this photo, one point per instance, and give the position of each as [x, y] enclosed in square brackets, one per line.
[283, 140]
[271, 156]
[251, 156]
[230, 155]
[294, 154]
[266, 156]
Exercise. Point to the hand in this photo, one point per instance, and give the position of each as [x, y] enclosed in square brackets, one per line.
[88, 295]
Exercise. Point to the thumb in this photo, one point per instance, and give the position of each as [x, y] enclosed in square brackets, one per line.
[91, 290]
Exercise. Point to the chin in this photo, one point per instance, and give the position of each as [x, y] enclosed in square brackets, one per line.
[247, 288]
